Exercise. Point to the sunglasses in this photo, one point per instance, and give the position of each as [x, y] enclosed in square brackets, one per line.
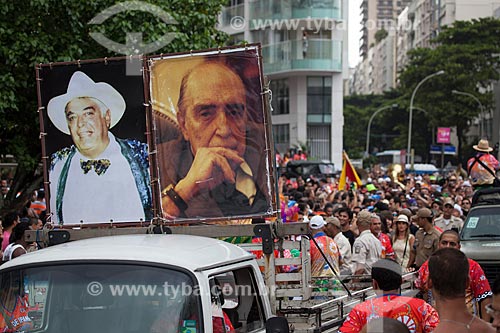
[491, 311]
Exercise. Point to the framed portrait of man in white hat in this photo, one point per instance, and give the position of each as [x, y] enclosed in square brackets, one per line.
[94, 143]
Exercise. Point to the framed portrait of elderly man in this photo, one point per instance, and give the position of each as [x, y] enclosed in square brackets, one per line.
[211, 135]
[94, 143]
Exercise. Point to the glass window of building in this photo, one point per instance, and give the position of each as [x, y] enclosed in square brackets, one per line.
[236, 39]
[319, 99]
[280, 101]
[235, 2]
[281, 135]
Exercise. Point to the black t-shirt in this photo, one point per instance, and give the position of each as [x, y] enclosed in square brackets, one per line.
[413, 229]
[350, 236]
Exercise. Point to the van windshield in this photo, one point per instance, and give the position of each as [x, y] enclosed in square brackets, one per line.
[83, 298]
[482, 223]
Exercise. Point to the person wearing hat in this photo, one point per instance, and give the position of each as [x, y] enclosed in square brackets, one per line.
[426, 239]
[333, 230]
[387, 278]
[412, 218]
[447, 221]
[367, 249]
[482, 168]
[326, 245]
[402, 240]
[100, 177]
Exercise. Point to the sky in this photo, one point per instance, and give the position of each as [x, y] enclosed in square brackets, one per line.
[354, 22]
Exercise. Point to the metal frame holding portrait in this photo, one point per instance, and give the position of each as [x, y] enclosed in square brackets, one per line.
[113, 186]
[175, 155]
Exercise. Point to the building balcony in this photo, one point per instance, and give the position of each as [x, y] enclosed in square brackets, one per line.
[228, 13]
[293, 9]
[321, 55]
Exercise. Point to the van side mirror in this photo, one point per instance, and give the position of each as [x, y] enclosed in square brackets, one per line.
[277, 325]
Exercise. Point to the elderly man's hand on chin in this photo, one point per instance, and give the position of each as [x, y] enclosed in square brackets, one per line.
[211, 167]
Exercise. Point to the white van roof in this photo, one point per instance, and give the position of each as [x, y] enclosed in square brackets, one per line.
[191, 252]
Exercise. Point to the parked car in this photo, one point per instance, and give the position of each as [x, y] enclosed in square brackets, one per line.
[480, 238]
[308, 169]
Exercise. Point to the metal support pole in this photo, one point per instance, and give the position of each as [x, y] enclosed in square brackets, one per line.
[481, 108]
[367, 151]
[410, 121]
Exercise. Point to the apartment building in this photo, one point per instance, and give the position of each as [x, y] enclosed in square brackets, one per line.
[376, 15]
[428, 16]
[304, 48]
[417, 25]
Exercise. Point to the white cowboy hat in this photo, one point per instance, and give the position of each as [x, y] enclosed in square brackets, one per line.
[80, 85]
[483, 146]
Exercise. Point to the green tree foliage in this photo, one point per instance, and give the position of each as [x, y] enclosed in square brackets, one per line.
[468, 52]
[380, 35]
[386, 126]
[42, 31]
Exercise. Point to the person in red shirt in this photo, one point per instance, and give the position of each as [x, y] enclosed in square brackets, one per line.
[448, 278]
[376, 229]
[417, 315]
[478, 292]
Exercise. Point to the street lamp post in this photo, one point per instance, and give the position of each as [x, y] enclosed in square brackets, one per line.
[367, 152]
[410, 121]
[481, 119]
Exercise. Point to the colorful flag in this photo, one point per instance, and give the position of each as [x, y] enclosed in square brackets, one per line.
[349, 174]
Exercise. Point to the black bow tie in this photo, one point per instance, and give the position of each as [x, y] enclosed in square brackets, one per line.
[100, 166]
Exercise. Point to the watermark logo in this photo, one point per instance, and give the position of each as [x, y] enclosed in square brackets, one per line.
[94, 288]
[134, 44]
[238, 22]
[317, 24]
[172, 291]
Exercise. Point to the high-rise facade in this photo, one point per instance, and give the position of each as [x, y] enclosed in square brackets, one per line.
[415, 26]
[428, 16]
[377, 15]
[304, 49]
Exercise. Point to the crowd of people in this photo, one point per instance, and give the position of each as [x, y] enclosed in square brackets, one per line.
[374, 232]
[15, 224]
[395, 226]
[384, 230]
